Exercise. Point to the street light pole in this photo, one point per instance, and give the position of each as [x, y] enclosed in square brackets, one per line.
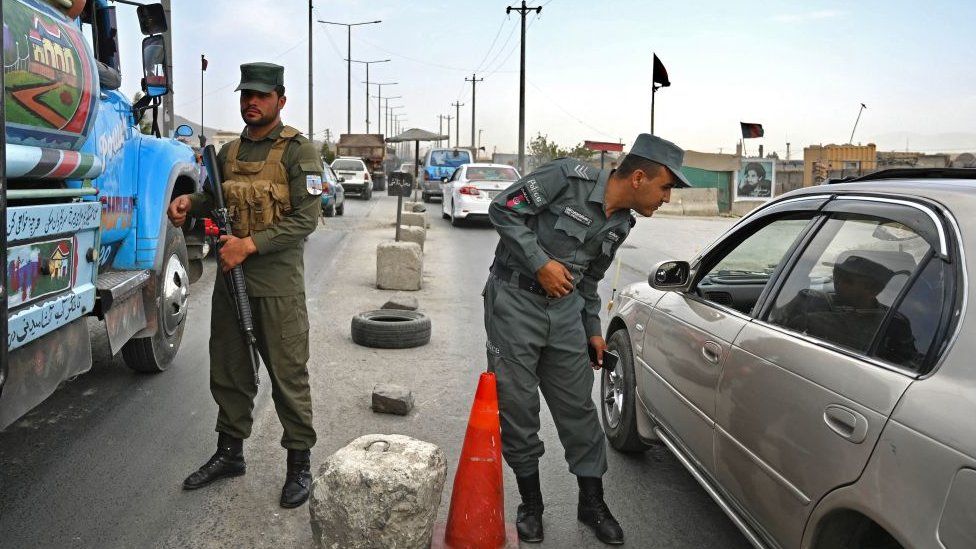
[457, 124]
[349, 27]
[521, 153]
[379, 101]
[368, 63]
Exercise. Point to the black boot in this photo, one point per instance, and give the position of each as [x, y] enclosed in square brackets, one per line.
[529, 519]
[593, 511]
[298, 480]
[228, 461]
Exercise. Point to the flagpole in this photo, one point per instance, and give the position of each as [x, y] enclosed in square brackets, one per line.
[653, 93]
[203, 69]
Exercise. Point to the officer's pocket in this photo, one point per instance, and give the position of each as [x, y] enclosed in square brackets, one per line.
[568, 235]
[262, 205]
[280, 195]
[239, 207]
[296, 319]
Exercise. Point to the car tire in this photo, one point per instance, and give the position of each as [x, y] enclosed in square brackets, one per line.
[154, 354]
[341, 208]
[391, 329]
[425, 197]
[329, 211]
[367, 193]
[455, 221]
[618, 398]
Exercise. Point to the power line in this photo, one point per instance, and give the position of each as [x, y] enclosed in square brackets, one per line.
[571, 115]
[493, 41]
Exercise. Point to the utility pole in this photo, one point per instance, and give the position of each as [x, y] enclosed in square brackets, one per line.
[311, 133]
[521, 153]
[389, 113]
[379, 101]
[440, 127]
[457, 124]
[368, 63]
[448, 118]
[169, 117]
[349, 27]
[473, 81]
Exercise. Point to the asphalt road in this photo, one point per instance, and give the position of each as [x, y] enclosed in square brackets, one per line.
[99, 464]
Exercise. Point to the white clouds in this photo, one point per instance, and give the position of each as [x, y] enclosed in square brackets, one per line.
[807, 16]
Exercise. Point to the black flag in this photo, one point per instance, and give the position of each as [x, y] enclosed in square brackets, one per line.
[751, 130]
[660, 73]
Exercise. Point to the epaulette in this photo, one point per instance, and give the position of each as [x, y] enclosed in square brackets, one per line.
[578, 170]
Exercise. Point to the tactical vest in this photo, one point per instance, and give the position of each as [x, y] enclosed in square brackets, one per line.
[257, 194]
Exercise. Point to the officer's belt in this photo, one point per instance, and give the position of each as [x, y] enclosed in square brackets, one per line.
[524, 282]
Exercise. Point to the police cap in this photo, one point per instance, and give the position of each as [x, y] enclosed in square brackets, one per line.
[663, 152]
[262, 77]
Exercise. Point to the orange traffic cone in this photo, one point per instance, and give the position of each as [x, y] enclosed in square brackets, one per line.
[476, 519]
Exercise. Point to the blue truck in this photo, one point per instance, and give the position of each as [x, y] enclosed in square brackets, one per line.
[86, 197]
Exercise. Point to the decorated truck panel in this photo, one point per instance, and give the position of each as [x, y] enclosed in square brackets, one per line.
[86, 228]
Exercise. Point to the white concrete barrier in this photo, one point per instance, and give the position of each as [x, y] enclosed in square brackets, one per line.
[413, 234]
[414, 219]
[399, 265]
[692, 201]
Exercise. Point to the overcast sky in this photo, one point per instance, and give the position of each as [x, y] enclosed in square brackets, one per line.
[799, 68]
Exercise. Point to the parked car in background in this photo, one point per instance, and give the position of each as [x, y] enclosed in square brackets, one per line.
[355, 175]
[370, 148]
[438, 164]
[813, 367]
[468, 192]
[334, 197]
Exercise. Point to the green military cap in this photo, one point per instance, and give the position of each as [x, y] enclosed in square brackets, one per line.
[663, 152]
[262, 77]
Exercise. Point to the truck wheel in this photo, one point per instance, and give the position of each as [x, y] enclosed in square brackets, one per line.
[329, 211]
[618, 397]
[153, 354]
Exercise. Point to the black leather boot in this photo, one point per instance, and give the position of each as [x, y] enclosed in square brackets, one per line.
[593, 511]
[529, 519]
[228, 461]
[298, 480]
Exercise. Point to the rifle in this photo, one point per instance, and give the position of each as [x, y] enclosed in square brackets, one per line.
[218, 225]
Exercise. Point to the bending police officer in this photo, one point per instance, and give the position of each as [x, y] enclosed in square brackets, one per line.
[272, 182]
[560, 227]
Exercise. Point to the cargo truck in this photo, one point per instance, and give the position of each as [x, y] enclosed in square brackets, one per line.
[371, 148]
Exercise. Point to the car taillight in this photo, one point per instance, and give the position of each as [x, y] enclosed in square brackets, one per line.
[469, 189]
[367, 177]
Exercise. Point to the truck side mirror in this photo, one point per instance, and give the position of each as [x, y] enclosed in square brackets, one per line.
[184, 130]
[152, 19]
[155, 80]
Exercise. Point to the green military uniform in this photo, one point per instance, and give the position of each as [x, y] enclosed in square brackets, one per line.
[536, 342]
[275, 283]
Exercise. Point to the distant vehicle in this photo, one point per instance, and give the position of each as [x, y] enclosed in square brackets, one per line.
[355, 175]
[406, 167]
[334, 198]
[470, 189]
[813, 368]
[368, 147]
[438, 164]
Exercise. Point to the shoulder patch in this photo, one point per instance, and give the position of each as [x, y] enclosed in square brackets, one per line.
[579, 171]
[535, 193]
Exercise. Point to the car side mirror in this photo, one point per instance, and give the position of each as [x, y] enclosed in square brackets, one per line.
[444, 180]
[670, 276]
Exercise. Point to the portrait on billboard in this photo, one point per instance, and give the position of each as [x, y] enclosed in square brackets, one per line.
[756, 179]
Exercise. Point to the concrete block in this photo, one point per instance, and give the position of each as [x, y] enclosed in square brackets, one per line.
[413, 234]
[403, 303]
[414, 207]
[378, 491]
[743, 207]
[399, 265]
[414, 219]
[700, 202]
[391, 399]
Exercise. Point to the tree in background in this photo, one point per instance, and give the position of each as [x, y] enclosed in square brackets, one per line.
[145, 123]
[326, 151]
[545, 151]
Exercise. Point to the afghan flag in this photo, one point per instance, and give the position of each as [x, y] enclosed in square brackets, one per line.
[750, 130]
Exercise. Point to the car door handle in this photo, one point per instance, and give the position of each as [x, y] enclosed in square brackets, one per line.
[846, 422]
[711, 351]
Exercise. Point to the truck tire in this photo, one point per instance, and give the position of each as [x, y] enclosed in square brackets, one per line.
[153, 354]
[618, 398]
[380, 184]
[391, 329]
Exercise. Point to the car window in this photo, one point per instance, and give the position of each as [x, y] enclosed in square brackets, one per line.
[480, 173]
[908, 336]
[845, 282]
[349, 165]
[738, 278]
[449, 157]
[457, 174]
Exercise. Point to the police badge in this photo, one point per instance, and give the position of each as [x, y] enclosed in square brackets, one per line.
[313, 184]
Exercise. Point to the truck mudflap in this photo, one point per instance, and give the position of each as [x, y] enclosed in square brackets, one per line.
[38, 368]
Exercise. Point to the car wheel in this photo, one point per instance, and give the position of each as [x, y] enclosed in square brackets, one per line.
[341, 208]
[618, 398]
[455, 221]
[153, 354]
[425, 197]
[367, 193]
[329, 211]
[391, 329]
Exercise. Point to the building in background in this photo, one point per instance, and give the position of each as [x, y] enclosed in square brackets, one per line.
[823, 162]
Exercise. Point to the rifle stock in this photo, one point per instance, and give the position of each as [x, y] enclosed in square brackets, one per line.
[235, 277]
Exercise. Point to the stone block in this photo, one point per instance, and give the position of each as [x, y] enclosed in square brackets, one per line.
[414, 207]
[413, 234]
[414, 219]
[399, 265]
[403, 303]
[378, 491]
[392, 399]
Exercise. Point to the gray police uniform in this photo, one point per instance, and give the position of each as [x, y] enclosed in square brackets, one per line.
[536, 342]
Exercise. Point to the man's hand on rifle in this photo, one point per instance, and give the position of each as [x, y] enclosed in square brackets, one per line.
[177, 210]
[233, 251]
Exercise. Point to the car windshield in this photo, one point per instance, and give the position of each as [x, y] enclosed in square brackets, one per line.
[449, 158]
[491, 174]
[349, 165]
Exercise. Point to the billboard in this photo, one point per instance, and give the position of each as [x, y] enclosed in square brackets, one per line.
[756, 179]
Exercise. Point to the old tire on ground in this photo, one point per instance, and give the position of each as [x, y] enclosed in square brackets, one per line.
[153, 354]
[618, 398]
[391, 329]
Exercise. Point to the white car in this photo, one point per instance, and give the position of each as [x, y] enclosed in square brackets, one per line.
[355, 174]
[470, 189]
